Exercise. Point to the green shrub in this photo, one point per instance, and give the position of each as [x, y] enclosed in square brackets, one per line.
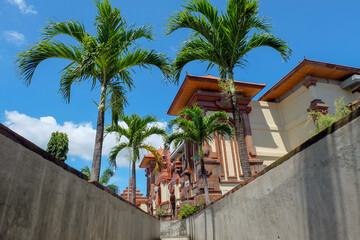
[187, 210]
[160, 213]
[58, 145]
[323, 121]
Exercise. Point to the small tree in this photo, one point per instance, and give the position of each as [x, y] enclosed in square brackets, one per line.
[58, 145]
[193, 126]
[135, 131]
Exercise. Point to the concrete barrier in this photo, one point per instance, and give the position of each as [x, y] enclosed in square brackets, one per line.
[312, 193]
[41, 198]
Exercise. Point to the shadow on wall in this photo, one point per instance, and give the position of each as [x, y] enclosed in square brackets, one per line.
[324, 194]
[260, 127]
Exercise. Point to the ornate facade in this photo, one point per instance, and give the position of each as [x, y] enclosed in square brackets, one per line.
[140, 201]
[273, 125]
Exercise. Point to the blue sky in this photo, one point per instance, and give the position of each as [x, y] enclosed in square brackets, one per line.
[323, 30]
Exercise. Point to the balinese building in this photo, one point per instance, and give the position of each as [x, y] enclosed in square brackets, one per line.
[140, 200]
[274, 124]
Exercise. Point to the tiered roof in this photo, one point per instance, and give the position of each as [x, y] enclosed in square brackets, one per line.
[139, 196]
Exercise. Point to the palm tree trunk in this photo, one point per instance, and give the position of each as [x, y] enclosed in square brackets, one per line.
[204, 177]
[239, 131]
[99, 138]
[133, 190]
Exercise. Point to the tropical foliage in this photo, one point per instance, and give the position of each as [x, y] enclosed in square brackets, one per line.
[323, 121]
[188, 210]
[105, 60]
[193, 126]
[104, 178]
[135, 131]
[224, 39]
[58, 145]
[160, 213]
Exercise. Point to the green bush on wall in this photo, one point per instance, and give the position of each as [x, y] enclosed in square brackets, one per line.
[323, 121]
[187, 210]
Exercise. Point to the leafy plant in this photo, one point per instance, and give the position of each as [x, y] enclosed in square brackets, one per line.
[160, 213]
[187, 210]
[58, 145]
[104, 178]
[323, 121]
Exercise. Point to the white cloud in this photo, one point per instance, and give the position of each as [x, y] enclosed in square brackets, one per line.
[24, 8]
[14, 37]
[81, 136]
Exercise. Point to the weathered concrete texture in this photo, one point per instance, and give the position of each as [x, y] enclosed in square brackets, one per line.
[313, 195]
[40, 200]
[174, 228]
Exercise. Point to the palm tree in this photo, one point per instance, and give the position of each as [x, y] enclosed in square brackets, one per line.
[104, 178]
[224, 39]
[135, 131]
[105, 60]
[197, 128]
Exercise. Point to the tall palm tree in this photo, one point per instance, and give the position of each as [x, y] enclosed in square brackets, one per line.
[197, 128]
[135, 131]
[104, 178]
[105, 60]
[224, 39]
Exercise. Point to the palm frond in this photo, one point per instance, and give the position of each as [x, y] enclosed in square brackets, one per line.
[114, 152]
[28, 60]
[86, 170]
[73, 29]
[268, 40]
[157, 156]
[106, 175]
[144, 58]
[195, 49]
[113, 188]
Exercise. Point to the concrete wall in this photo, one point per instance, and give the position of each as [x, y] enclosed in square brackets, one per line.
[312, 193]
[41, 200]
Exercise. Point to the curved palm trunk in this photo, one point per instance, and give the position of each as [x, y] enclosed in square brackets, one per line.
[204, 177]
[239, 131]
[133, 187]
[99, 138]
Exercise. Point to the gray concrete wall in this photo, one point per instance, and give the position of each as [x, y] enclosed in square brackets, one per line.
[315, 194]
[40, 200]
[173, 228]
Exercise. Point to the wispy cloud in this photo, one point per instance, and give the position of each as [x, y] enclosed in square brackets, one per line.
[81, 136]
[14, 37]
[24, 8]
